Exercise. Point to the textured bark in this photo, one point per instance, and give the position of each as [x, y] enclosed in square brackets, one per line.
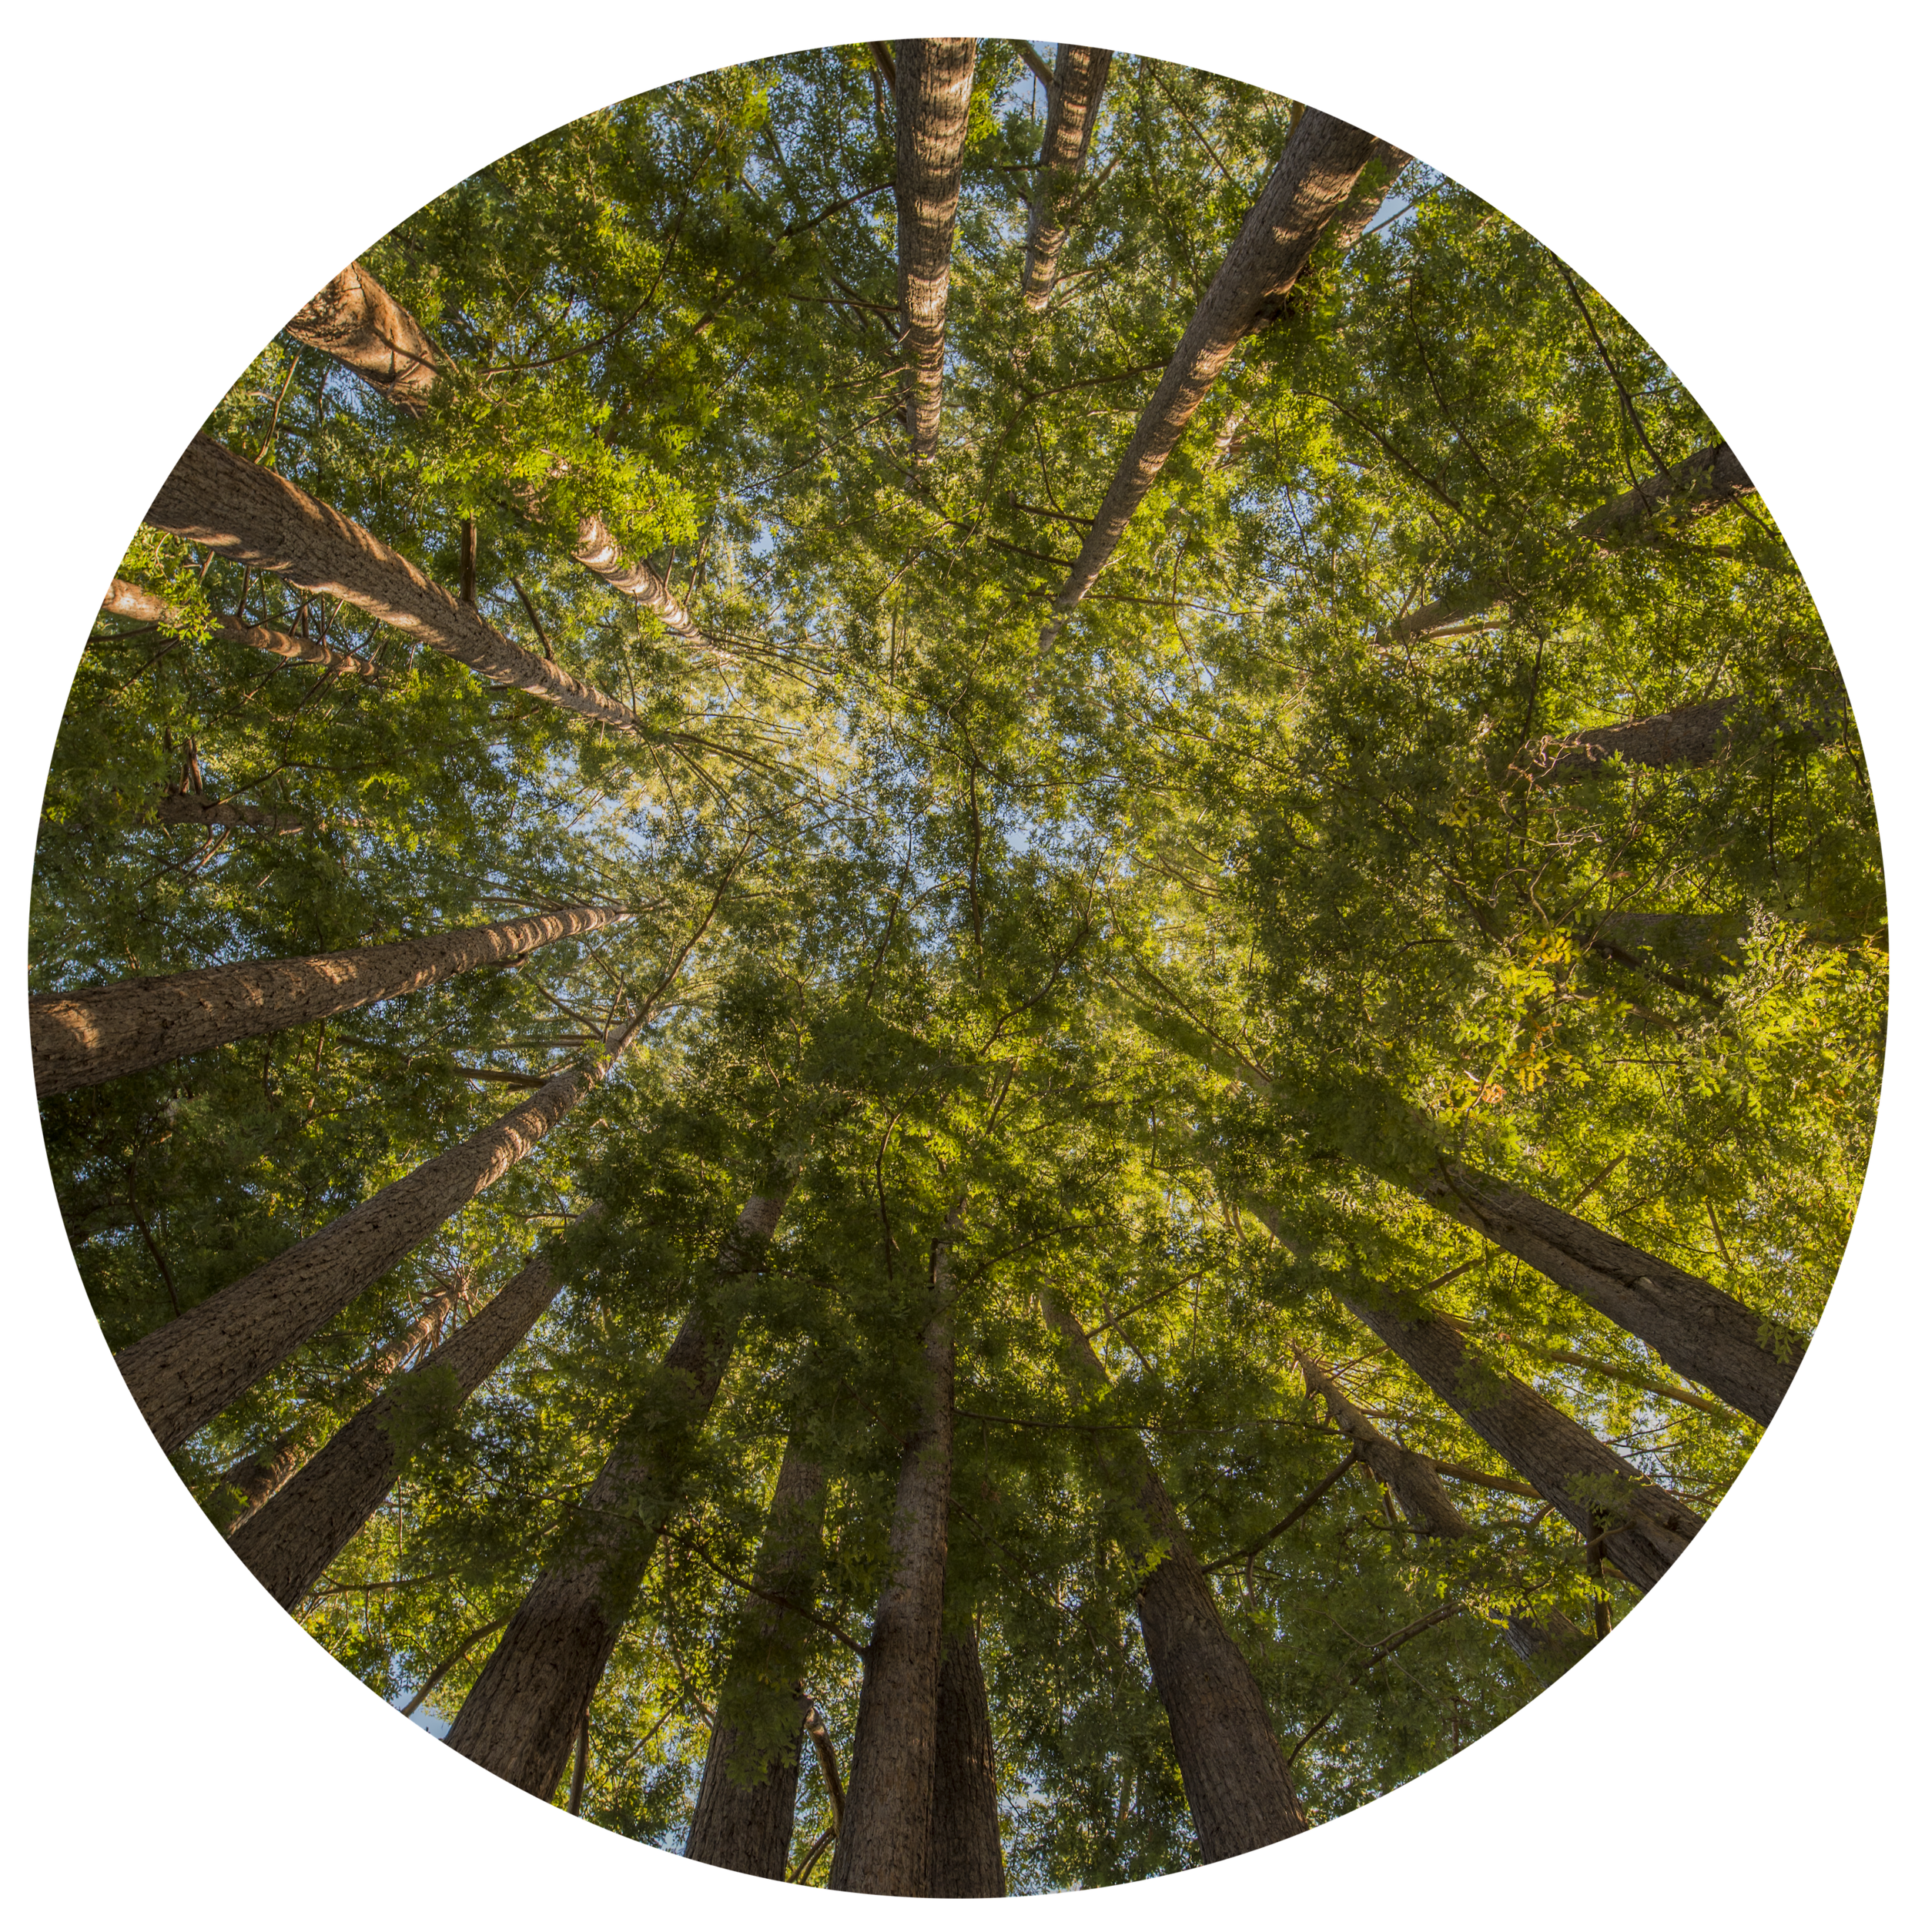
[99, 1033]
[886, 1845]
[1701, 1331]
[519, 1720]
[596, 551]
[746, 1828]
[932, 81]
[1693, 734]
[1644, 1530]
[184, 1374]
[965, 1855]
[191, 808]
[1233, 1776]
[1550, 1638]
[289, 1541]
[1320, 163]
[1386, 162]
[356, 320]
[237, 509]
[1411, 1478]
[129, 600]
[1076, 91]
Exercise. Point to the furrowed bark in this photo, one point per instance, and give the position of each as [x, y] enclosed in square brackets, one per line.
[130, 601]
[237, 509]
[1644, 1530]
[289, 1541]
[1386, 162]
[356, 320]
[93, 1034]
[1075, 92]
[885, 1843]
[932, 83]
[1410, 1478]
[519, 1720]
[1693, 734]
[966, 1856]
[1233, 1776]
[184, 1374]
[1704, 1334]
[1319, 166]
[190, 809]
[746, 1826]
[596, 551]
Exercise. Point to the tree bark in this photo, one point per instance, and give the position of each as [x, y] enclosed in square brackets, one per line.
[191, 808]
[885, 1844]
[130, 601]
[1643, 1529]
[745, 1826]
[1410, 1478]
[1233, 1776]
[1319, 166]
[227, 504]
[596, 551]
[290, 1541]
[356, 320]
[1075, 92]
[93, 1034]
[1704, 1334]
[184, 1374]
[932, 83]
[519, 1720]
[1386, 164]
[966, 1855]
[1693, 734]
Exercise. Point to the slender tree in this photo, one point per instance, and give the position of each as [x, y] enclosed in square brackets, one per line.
[129, 600]
[1075, 88]
[1410, 1478]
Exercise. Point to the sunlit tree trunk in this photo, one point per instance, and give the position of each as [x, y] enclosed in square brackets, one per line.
[1693, 734]
[965, 1855]
[130, 601]
[1076, 91]
[1411, 1478]
[356, 320]
[519, 1720]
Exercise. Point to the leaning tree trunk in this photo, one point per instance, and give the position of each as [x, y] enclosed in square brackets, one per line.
[519, 1720]
[1410, 1478]
[99, 1033]
[190, 809]
[1234, 1775]
[289, 1541]
[184, 1374]
[237, 509]
[932, 83]
[129, 600]
[1643, 1530]
[1320, 163]
[1701, 1332]
[966, 1852]
[356, 320]
[745, 1810]
[1076, 90]
[889, 1817]
[1692, 734]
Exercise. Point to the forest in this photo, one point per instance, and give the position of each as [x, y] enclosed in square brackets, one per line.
[961, 965]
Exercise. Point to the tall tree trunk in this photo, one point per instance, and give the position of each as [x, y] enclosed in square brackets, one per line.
[932, 83]
[191, 808]
[1076, 91]
[1233, 1776]
[519, 1720]
[596, 551]
[1701, 1332]
[1692, 734]
[745, 1811]
[1702, 482]
[1320, 163]
[1410, 1478]
[965, 1854]
[93, 1034]
[290, 1541]
[1643, 1529]
[129, 599]
[889, 1819]
[184, 1374]
[356, 320]
[1386, 164]
[237, 509]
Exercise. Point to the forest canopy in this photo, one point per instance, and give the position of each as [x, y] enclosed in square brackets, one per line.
[963, 963]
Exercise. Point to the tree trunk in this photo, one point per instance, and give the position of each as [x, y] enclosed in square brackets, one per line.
[1076, 90]
[933, 83]
[1410, 1478]
[184, 1374]
[93, 1034]
[1694, 735]
[596, 551]
[356, 320]
[744, 1822]
[1701, 1332]
[229, 505]
[519, 1720]
[885, 1843]
[129, 600]
[1643, 1529]
[1320, 163]
[290, 1540]
[1233, 1776]
[191, 808]
[1381, 173]
[965, 1854]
